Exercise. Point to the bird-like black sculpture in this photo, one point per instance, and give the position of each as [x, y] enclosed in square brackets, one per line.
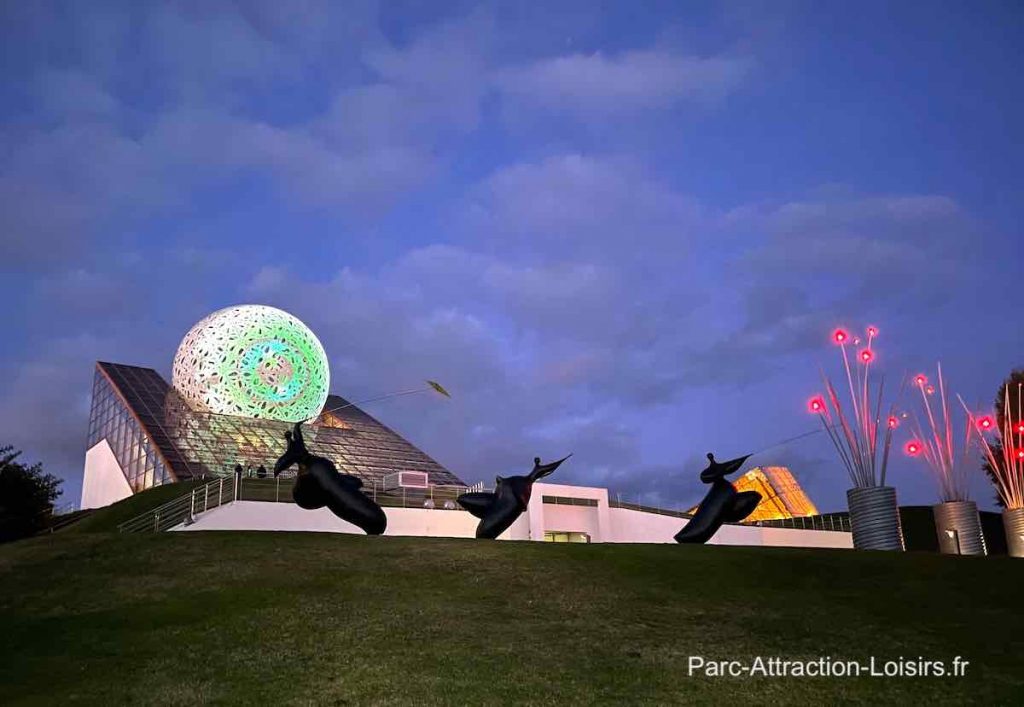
[499, 510]
[319, 484]
[722, 504]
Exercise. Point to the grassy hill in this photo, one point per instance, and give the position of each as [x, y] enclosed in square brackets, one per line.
[109, 517]
[291, 618]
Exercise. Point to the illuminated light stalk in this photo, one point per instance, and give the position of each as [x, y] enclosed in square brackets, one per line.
[857, 447]
[1007, 472]
[949, 470]
[856, 434]
[852, 441]
[833, 435]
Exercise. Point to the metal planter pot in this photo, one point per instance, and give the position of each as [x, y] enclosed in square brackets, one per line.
[875, 518]
[1013, 524]
[958, 528]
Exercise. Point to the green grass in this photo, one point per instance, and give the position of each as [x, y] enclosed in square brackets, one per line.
[292, 618]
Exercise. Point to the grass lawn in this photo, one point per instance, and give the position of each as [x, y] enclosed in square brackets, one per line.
[293, 618]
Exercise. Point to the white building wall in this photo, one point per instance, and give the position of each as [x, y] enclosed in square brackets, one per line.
[592, 520]
[103, 481]
[571, 519]
[263, 515]
[628, 526]
[601, 523]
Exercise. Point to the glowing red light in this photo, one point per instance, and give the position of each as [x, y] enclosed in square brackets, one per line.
[816, 405]
[985, 423]
[930, 390]
[1020, 428]
[839, 336]
[1020, 453]
[921, 379]
[872, 331]
[867, 355]
[912, 448]
[893, 422]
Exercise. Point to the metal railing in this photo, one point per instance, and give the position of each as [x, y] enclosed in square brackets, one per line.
[279, 490]
[839, 522]
[62, 521]
[618, 503]
[224, 490]
[183, 509]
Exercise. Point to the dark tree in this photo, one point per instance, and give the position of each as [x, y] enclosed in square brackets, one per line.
[27, 496]
[1014, 383]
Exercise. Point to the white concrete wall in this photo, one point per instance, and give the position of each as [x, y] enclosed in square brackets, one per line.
[592, 520]
[261, 515]
[796, 537]
[603, 524]
[103, 481]
[631, 526]
[628, 526]
[570, 519]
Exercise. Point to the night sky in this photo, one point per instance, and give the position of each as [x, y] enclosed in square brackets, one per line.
[623, 230]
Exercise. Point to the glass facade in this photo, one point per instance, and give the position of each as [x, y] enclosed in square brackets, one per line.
[781, 495]
[110, 419]
[195, 444]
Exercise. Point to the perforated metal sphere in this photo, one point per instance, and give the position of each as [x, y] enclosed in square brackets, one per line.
[252, 361]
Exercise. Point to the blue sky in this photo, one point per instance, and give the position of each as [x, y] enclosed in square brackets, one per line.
[623, 230]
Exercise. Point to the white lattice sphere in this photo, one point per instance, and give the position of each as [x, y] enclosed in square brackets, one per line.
[252, 361]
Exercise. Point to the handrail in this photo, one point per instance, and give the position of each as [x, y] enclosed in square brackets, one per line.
[183, 509]
[440, 497]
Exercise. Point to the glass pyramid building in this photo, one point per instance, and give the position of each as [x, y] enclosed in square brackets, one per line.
[156, 438]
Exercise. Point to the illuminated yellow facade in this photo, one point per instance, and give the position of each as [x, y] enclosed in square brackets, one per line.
[781, 495]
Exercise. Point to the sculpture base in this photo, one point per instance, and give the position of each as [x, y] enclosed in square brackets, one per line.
[1013, 524]
[958, 528]
[875, 518]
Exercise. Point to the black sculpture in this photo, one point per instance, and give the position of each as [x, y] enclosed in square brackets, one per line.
[319, 484]
[722, 504]
[499, 510]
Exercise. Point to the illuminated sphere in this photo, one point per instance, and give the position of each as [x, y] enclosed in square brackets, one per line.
[252, 361]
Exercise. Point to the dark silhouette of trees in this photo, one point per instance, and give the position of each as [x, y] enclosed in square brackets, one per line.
[1015, 384]
[27, 496]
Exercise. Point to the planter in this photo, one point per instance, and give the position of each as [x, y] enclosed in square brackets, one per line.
[1013, 524]
[875, 518]
[958, 528]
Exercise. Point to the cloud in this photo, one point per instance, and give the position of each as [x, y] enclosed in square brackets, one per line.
[585, 204]
[58, 186]
[44, 409]
[72, 93]
[116, 142]
[94, 295]
[598, 86]
[817, 262]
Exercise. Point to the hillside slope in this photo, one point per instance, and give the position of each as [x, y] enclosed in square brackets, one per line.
[109, 517]
[187, 618]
